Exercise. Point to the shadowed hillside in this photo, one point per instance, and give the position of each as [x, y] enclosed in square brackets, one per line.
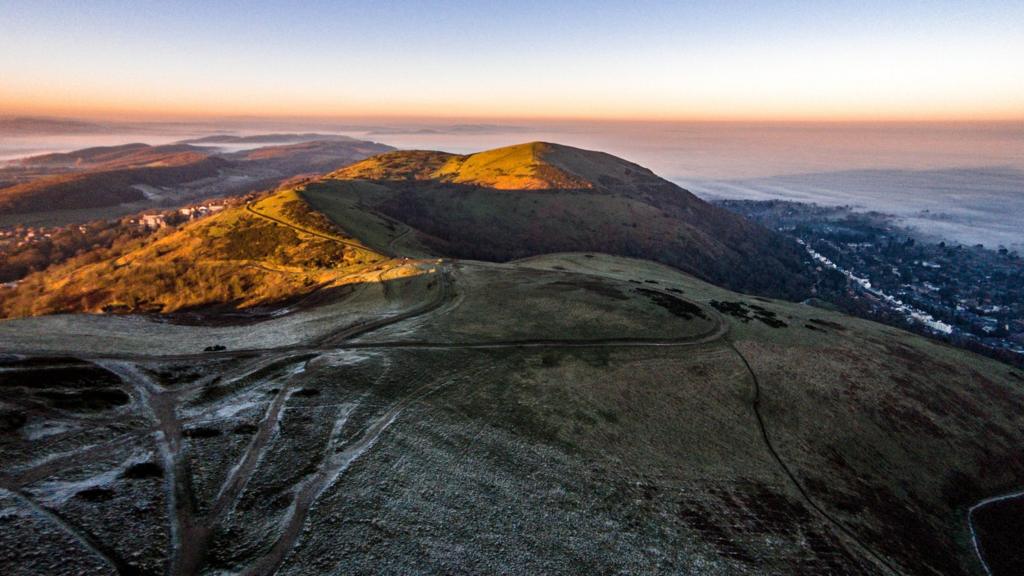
[539, 198]
[103, 187]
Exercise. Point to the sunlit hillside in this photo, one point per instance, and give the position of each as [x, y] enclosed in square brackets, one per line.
[530, 166]
[271, 250]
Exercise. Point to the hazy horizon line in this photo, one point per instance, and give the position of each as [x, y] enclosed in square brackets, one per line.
[158, 118]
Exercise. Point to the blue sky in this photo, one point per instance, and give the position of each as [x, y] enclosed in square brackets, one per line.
[515, 59]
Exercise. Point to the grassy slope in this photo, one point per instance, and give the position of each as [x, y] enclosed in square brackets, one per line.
[531, 166]
[569, 200]
[234, 258]
[342, 203]
[889, 432]
[552, 305]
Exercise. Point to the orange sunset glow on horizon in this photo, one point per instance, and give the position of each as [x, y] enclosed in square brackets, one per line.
[826, 63]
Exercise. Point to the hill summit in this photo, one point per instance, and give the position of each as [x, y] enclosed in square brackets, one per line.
[498, 205]
[571, 200]
[529, 166]
[268, 251]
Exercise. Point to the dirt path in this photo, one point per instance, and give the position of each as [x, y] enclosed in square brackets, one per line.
[974, 534]
[351, 244]
[403, 234]
[187, 535]
[787, 471]
[239, 476]
[87, 540]
[335, 340]
[338, 456]
[35, 472]
[334, 463]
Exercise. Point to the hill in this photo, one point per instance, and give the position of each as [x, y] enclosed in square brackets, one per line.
[282, 138]
[105, 187]
[271, 250]
[539, 198]
[571, 413]
[104, 182]
[316, 156]
[31, 125]
[114, 157]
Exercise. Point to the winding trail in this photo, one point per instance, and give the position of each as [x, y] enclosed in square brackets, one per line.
[349, 243]
[35, 472]
[835, 522]
[974, 534]
[403, 234]
[339, 455]
[187, 535]
[335, 340]
[240, 474]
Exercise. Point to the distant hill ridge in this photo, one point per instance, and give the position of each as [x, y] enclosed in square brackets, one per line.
[112, 156]
[266, 138]
[530, 166]
[108, 176]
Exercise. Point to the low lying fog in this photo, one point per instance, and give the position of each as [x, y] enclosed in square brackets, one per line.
[963, 182]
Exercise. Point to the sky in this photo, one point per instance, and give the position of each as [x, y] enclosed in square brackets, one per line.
[594, 59]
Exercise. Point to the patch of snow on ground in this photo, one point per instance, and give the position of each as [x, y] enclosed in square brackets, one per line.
[347, 357]
[56, 492]
[40, 430]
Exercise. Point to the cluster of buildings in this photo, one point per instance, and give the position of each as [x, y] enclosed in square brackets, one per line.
[969, 295]
[972, 293]
[156, 220]
[24, 235]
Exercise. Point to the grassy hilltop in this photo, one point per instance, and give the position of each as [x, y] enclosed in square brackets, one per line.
[271, 250]
[538, 198]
